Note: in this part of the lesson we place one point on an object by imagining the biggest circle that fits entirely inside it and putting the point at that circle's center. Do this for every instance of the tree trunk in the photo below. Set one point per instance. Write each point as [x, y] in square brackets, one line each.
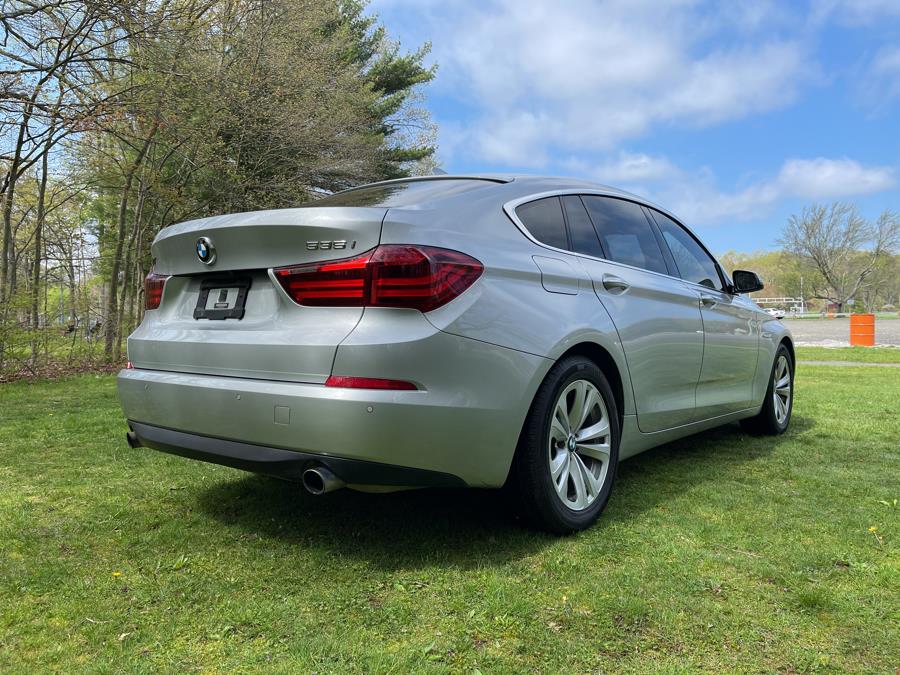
[39, 231]
[112, 302]
[73, 306]
[128, 280]
[38, 255]
[141, 273]
[7, 264]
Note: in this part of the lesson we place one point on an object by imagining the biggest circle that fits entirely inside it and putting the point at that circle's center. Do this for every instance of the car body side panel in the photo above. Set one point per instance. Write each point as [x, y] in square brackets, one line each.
[490, 387]
[509, 306]
[658, 322]
[557, 275]
[730, 353]
[771, 333]
[638, 442]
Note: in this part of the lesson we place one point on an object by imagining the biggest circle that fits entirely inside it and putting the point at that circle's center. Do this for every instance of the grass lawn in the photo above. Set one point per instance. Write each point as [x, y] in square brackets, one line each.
[861, 354]
[720, 552]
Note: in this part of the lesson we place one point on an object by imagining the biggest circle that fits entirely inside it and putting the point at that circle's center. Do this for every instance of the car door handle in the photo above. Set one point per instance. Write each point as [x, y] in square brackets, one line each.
[708, 301]
[615, 284]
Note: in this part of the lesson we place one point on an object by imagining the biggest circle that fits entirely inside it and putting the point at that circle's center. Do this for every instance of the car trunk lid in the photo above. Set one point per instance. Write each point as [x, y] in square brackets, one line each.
[271, 337]
[264, 239]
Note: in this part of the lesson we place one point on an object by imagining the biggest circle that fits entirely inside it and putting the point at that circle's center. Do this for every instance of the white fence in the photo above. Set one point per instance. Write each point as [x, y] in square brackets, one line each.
[792, 305]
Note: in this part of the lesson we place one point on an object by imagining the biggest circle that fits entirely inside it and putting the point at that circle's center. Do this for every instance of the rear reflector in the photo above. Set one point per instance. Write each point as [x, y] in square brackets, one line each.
[154, 285]
[368, 383]
[391, 275]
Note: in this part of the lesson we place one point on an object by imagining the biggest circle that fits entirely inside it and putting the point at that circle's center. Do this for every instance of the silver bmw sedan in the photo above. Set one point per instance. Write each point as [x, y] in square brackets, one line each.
[449, 331]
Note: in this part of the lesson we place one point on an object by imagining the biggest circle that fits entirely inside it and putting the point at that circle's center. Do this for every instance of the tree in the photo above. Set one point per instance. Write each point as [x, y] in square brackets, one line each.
[49, 55]
[119, 118]
[845, 248]
[282, 101]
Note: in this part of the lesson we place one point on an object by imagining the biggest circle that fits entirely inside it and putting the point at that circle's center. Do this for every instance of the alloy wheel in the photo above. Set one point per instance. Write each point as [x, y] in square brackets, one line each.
[579, 445]
[781, 389]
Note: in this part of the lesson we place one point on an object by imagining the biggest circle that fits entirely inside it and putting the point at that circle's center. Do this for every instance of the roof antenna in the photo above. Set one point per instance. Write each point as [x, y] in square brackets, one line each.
[436, 171]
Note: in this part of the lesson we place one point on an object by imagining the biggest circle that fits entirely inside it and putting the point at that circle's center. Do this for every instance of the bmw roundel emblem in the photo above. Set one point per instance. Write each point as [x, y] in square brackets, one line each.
[206, 252]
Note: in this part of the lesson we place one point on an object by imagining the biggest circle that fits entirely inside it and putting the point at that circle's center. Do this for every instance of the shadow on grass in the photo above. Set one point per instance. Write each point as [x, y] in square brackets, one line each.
[667, 471]
[465, 528]
[400, 530]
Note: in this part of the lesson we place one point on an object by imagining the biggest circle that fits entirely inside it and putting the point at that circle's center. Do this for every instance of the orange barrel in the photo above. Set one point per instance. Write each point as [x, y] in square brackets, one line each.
[862, 330]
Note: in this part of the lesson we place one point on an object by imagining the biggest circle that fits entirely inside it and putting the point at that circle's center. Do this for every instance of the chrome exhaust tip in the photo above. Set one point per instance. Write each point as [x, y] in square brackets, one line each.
[132, 439]
[319, 480]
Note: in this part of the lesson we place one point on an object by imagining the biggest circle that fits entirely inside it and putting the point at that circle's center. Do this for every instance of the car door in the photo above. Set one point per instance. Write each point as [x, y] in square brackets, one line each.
[730, 329]
[657, 317]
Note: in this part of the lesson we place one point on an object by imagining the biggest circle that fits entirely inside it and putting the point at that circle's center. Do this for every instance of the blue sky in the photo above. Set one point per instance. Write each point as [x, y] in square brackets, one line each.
[732, 117]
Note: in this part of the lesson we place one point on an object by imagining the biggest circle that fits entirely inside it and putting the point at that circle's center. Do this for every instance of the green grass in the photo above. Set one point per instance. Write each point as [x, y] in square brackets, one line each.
[859, 354]
[720, 552]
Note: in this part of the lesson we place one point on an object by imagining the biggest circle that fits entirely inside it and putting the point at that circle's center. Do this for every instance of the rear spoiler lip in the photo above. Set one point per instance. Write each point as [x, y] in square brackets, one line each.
[486, 177]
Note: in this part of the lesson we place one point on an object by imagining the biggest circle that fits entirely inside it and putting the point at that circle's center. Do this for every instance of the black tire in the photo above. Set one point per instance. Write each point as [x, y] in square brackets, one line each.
[766, 423]
[533, 486]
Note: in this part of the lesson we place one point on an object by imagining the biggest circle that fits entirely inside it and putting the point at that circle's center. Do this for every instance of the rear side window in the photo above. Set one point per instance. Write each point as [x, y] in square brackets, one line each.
[584, 237]
[626, 233]
[693, 263]
[544, 220]
[399, 195]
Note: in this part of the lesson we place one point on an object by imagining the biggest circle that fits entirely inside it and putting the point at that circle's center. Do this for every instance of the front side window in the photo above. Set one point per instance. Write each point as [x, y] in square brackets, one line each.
[544, 220]
[625, 233]
[694, 264]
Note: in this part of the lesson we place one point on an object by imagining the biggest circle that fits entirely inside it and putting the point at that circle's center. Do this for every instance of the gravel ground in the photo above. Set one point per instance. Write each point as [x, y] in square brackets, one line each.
[836, 332]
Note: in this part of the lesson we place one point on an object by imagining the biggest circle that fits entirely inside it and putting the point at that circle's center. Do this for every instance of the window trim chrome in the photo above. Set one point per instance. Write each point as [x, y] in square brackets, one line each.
[509, 208]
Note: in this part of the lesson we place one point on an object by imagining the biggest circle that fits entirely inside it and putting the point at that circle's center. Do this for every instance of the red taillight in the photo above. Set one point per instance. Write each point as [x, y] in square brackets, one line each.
[368, 383]
[420, 277]
[392, 275]
[341, 283]
[153, 289]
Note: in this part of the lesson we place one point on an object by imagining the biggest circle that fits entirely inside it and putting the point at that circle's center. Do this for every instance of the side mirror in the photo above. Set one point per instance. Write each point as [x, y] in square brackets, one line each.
[746, 282]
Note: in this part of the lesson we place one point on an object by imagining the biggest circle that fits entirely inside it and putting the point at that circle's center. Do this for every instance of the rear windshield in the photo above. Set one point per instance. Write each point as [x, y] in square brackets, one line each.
[398, 195]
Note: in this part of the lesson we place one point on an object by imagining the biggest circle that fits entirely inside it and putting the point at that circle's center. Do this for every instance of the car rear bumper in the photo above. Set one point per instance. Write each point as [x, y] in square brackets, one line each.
[463, 422]
[288, 464]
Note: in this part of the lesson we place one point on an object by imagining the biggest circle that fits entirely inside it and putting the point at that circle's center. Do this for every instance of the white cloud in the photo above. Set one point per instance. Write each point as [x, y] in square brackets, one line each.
[627, 167]
[569, 84]
[822, 178]
[854, 12]
[542, 77]
[695, 197]
[513, 142]
[887, 62]
[881, 82]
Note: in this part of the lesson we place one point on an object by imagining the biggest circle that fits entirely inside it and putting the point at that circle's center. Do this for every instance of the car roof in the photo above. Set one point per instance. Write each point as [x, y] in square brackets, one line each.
[516, 186]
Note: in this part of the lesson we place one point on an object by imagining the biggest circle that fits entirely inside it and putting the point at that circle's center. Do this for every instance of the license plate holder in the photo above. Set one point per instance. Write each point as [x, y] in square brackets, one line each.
[222, 298]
